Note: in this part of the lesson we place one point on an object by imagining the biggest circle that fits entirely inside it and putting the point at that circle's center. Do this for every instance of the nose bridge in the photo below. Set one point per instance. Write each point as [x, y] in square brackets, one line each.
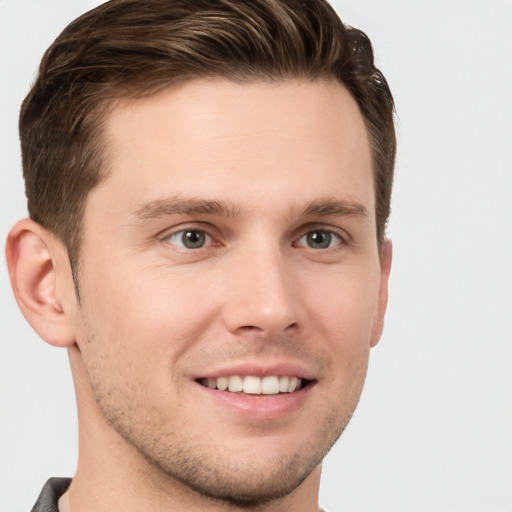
[262, 293]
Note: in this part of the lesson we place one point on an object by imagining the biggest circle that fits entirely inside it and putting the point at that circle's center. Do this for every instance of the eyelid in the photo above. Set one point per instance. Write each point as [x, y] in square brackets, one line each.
[341, 234]
[169, 232]
[334, 237]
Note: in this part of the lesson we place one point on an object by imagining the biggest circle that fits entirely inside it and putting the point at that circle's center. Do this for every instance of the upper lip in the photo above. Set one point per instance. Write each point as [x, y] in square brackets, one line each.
[259, 370]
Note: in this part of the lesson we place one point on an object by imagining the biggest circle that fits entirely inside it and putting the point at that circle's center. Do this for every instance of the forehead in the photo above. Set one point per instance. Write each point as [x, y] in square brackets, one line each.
[250, 143]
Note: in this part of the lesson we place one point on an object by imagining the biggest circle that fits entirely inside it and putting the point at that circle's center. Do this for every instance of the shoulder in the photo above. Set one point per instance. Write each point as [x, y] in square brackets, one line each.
[50, 494]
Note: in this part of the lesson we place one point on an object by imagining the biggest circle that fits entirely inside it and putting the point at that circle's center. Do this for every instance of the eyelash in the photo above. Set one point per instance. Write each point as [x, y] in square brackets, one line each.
[332, 235]
[185, 231]
[339, 238]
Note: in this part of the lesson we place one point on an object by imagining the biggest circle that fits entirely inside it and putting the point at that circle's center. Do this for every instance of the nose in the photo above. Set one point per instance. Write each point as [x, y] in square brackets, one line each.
[261, 295]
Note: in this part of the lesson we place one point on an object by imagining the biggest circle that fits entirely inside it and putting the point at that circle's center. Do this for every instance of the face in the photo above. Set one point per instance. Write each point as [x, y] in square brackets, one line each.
[230, 281]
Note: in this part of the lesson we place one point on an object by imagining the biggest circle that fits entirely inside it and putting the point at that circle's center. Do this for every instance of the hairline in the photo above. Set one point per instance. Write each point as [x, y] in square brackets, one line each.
[102, 145]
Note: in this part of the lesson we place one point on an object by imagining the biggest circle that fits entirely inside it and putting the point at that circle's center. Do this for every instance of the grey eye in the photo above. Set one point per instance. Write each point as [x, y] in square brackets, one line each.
[319, 239]
[189, 239]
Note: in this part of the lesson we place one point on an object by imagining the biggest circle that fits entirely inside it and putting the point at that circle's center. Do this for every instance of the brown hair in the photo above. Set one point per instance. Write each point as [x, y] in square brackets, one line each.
[132, 48]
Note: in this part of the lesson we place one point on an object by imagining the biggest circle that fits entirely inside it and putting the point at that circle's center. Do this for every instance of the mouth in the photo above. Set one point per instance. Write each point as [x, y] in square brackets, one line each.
[258, 394]
[253, 385]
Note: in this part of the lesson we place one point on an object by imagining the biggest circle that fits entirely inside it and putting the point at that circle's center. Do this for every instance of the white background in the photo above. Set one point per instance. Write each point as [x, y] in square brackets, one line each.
[433, 431]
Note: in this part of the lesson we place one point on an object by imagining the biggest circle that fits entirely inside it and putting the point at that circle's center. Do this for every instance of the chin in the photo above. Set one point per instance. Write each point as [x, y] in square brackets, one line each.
[245, 481]
[247, 485]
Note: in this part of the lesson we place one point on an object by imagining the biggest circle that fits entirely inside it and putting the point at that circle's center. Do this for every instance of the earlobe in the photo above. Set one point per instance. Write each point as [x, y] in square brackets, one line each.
[37, 268]
[386, 255]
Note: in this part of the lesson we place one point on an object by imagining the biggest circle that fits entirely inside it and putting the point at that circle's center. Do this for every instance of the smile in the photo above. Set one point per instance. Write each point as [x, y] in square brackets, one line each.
[253, 385]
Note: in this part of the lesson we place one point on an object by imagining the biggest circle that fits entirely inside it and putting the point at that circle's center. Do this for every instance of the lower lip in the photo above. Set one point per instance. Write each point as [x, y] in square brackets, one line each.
[260, 407]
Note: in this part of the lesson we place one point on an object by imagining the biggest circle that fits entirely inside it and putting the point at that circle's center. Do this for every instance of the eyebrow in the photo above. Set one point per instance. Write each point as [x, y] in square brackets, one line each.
[336, 207]
[197, 206]
[185, 206]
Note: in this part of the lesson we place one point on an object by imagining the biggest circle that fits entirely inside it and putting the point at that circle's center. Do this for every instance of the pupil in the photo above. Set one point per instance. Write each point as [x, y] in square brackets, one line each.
[319, 239]
[193, 239]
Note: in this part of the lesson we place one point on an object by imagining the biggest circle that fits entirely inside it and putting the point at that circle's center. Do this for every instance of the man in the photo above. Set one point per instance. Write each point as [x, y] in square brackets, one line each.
[208, 185]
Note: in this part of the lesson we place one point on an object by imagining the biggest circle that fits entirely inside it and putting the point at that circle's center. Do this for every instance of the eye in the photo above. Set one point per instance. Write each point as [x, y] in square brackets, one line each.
[189, 239]
[319, 239]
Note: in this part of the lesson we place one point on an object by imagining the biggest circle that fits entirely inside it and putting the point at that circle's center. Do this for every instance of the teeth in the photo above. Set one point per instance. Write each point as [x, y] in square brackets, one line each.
[235, 383]
[252, 385]
[222, 383]
[292, 385]
[270, 385]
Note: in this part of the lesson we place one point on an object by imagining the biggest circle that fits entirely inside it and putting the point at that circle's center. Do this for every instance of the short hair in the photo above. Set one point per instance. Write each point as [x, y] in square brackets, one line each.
[136, 48]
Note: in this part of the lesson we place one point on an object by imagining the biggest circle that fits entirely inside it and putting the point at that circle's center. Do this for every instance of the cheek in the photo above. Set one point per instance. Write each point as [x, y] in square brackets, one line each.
[345, 306]
[150, 305]
[343, 315]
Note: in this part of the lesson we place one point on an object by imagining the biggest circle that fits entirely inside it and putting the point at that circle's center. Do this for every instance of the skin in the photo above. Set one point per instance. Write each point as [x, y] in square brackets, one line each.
[287, 162]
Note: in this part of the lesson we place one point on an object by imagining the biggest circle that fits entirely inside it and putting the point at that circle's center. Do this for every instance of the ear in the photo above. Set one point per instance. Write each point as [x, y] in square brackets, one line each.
[386, 255]
[42, 282]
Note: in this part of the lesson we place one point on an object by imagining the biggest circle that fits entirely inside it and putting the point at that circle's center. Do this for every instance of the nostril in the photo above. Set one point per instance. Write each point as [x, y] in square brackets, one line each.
[254, 329]
[292, 326]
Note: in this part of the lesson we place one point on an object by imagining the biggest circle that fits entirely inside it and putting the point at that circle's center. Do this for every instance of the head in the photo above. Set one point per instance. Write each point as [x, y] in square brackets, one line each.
[214, 178]
[131, 48]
